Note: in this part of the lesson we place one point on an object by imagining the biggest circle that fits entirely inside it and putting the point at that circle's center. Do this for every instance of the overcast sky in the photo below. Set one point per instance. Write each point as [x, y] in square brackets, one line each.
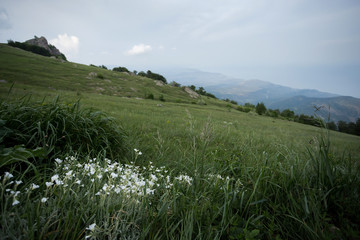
[296, 43]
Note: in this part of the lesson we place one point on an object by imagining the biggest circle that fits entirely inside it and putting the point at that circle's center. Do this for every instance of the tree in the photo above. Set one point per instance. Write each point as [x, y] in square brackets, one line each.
[201, 91]
[331, 126]
[260, 108]
[357, 127]
[287, 113]
[342, 126]
[249, 105]
[121, 69]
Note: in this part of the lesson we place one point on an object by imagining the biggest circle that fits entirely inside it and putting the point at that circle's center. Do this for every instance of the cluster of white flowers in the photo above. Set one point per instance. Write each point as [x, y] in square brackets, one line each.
[104, 178]
[110, 177]
[184, 178]
[13, 193]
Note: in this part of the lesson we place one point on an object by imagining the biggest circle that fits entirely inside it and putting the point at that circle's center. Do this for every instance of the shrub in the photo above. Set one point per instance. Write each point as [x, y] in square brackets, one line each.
[150, 96]
[243, 109]
[161, 98]
[175, 84]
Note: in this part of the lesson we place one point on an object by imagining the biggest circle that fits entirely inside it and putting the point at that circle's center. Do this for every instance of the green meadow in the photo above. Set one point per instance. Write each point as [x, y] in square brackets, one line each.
[85, 154]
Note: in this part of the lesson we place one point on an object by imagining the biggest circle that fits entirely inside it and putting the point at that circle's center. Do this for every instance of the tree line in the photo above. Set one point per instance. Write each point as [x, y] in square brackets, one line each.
[341, 126]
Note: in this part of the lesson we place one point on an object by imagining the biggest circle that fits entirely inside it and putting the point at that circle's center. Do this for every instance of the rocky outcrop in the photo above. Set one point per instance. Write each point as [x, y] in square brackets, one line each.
[42, 42]
[192, 93]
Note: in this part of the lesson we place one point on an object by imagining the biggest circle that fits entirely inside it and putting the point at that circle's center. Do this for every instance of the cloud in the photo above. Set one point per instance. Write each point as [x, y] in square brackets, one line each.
[66, 44]
[4, 19]
[139, 49]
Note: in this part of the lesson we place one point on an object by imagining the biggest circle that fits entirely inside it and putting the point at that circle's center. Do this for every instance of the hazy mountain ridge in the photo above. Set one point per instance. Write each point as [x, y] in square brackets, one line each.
[340, 108]
[301, 101]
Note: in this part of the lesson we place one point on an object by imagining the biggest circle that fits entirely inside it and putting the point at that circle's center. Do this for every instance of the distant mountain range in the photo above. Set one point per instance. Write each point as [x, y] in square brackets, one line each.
[301, 101]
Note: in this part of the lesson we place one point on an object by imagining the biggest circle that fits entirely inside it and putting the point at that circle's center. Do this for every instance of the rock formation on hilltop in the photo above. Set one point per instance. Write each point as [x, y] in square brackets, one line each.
[42, 42]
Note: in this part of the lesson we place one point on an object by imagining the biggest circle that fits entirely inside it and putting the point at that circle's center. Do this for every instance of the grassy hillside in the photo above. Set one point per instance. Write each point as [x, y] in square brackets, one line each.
[34, 73]
[277, 179]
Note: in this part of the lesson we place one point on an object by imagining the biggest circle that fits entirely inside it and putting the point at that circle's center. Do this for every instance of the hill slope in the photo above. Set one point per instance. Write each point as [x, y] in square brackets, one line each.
[34, 72]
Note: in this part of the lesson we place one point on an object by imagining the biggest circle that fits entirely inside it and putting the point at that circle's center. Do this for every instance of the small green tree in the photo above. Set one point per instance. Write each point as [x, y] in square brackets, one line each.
[287, 113]
[260, 108]
[120, 69]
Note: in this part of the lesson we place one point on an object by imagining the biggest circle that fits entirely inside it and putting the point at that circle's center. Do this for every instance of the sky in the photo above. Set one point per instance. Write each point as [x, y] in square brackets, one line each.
[296, 43]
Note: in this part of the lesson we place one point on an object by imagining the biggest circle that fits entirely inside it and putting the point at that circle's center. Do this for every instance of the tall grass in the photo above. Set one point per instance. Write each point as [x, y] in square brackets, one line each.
[212, 185]
[50, 130]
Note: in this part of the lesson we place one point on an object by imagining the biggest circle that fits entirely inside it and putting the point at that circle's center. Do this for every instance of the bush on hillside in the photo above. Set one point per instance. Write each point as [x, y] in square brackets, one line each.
[175, 84]
[161, 98]
[243, 109]
[149, 96]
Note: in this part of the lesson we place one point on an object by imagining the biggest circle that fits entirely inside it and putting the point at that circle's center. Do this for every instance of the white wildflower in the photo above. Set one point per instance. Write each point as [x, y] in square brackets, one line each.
[44, 199]
[49, 184]
[58, 161]
[54, 178]
[114, 175]
[69, 173]
[8, 175]
[18, 182]
[59, 182]
[91, 227]
[15, 202]
[34, 186]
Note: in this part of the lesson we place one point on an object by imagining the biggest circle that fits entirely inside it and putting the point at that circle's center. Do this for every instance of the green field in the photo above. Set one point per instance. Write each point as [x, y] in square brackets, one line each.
[251, 176]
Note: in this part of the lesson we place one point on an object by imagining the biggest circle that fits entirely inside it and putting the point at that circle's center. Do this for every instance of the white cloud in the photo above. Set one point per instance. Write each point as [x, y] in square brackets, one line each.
[69, 45]
[139, 49]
